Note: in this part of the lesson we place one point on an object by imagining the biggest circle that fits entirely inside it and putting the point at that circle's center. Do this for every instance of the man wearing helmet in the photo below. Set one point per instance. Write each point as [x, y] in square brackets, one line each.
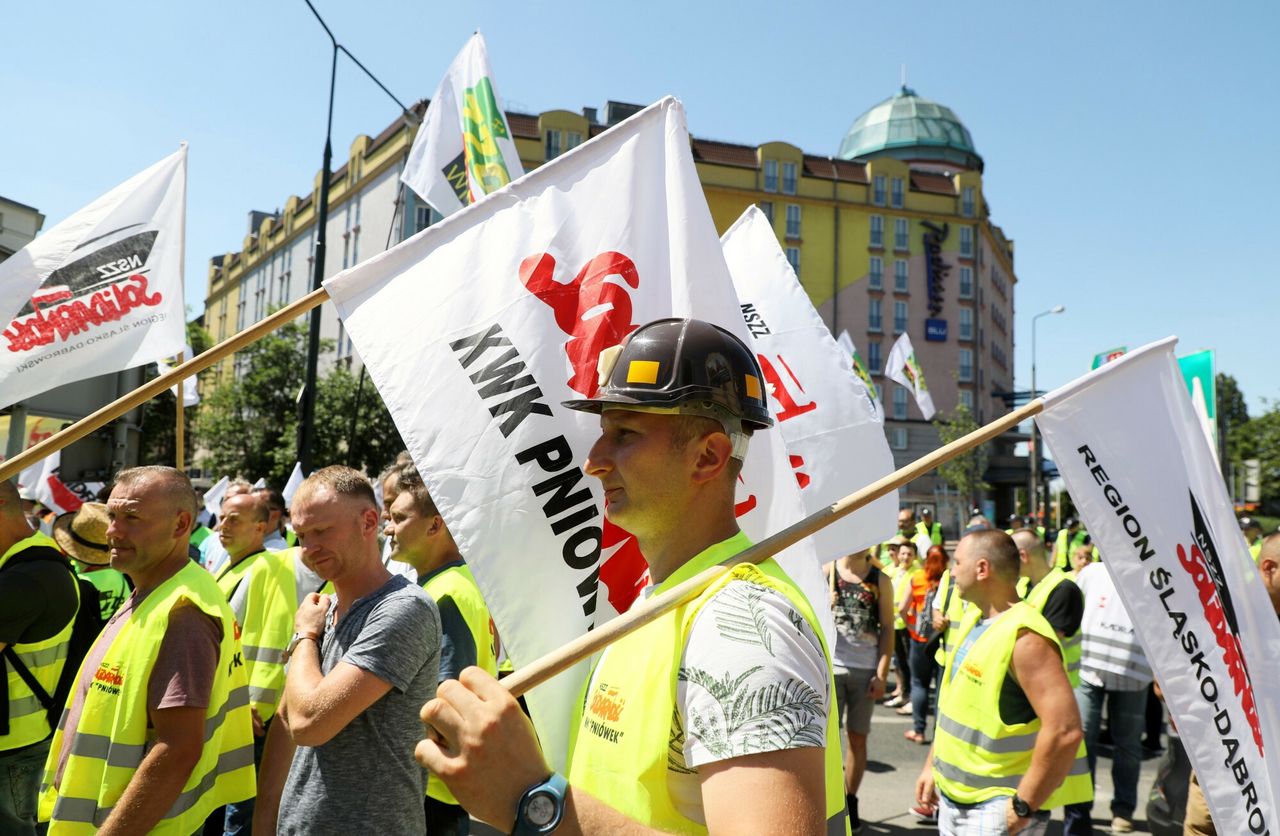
[690, 724]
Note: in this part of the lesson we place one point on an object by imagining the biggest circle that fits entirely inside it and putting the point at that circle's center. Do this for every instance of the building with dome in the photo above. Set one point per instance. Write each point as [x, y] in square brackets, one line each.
[890, 234]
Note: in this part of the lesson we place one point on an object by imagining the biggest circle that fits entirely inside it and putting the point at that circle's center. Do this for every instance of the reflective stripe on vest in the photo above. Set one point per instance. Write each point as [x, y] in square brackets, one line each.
[112, 735]
[622, 732]
[977, 756]
[458, 584]
[1072, 645]
[261, 596]
[45, 659]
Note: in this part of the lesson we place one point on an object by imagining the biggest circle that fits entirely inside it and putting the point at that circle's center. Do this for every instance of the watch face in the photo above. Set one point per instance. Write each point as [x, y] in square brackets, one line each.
[541, 810]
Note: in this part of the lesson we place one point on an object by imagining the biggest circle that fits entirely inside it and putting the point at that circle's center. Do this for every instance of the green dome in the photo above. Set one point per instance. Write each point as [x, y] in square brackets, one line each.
[909, 127]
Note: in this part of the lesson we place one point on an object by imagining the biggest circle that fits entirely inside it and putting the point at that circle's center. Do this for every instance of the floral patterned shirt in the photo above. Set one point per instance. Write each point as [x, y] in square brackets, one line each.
[753, 679]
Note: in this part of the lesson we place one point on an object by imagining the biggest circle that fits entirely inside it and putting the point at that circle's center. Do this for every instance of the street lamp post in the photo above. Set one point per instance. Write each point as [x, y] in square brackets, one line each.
[1034, 499]
[307, 404]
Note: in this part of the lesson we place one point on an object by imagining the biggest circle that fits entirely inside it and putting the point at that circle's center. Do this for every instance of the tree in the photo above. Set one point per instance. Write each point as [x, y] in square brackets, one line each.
[159, 415]
[1259, 438]
[965, 471]
[353, 426]
[249, 425]
[1233, 414]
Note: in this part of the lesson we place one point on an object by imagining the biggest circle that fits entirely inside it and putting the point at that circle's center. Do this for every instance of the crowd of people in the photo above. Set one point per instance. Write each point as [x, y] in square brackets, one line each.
[271, 670]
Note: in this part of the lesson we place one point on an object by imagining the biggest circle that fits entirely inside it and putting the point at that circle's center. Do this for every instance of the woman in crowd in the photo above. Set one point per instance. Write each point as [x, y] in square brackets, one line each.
[862, 605]
[915, 604]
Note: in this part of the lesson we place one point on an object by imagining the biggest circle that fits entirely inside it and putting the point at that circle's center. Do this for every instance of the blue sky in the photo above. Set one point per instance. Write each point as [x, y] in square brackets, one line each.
[1129, 146]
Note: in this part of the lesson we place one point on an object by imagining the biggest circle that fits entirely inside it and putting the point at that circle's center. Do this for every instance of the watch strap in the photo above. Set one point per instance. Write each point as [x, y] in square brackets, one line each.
[555, 786]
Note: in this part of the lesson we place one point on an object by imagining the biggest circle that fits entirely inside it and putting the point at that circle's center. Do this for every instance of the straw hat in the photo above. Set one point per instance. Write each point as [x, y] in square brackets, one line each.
[83, 534]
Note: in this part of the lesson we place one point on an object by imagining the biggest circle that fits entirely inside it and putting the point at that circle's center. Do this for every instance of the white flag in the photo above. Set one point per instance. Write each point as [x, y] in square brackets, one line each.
[902, 368]
[1139, 469]
[261, 483]
[834, 440]
[295, 482]
[44, 480]
[848, 349]
[190, 394]
[464, 148]
[500, 312]
[213, 496]
[101, 291]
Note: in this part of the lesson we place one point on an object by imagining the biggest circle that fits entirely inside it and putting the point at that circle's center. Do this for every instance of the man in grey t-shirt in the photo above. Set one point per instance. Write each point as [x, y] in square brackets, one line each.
[362, 664]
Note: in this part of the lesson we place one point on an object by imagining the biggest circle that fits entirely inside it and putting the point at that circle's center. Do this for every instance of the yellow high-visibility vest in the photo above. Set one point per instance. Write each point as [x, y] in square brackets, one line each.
[1071, 645]
[260, 594]
[458, 584]
[28, 720]
[623, 733]
[111, 737]
[934, 532]
[977, 756]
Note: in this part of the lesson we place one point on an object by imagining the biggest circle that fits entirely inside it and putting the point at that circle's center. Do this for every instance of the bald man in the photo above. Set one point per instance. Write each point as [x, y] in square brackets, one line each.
[182, 737]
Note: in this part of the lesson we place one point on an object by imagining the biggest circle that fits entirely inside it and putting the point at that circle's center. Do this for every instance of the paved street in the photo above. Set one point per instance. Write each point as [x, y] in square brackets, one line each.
[889, 786]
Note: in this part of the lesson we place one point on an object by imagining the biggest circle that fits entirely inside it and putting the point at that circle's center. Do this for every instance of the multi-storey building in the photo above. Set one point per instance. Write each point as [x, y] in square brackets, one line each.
[891, 235]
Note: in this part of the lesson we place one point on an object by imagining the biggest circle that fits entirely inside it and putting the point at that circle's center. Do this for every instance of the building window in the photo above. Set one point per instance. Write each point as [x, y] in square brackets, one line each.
[873, 357]
[770, 175]
[966, 365]
[966, 282]
[766, 206]
[282, 288]
[899, 402]
[572, 139]
[901, 228]
[877, 231]
[898, 435]
[421, 218]
[966, 399]
[260, 296]
[553, 144]
[897, 193]
[966, 241]
[875, 319]
[788, 178]
[966, 324]
[900, 275]
[793, 258]
[876, 275]
[899, 316]
[878, 191]
[793, 220]
[966, 201]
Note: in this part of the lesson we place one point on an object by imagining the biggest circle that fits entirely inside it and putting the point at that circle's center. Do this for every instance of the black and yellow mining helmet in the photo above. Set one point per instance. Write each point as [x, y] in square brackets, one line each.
[686, 365]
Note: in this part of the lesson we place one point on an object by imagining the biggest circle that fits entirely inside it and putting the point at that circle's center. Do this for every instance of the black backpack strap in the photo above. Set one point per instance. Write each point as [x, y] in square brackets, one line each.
[32, 554]
[50, 702]
[25, 674]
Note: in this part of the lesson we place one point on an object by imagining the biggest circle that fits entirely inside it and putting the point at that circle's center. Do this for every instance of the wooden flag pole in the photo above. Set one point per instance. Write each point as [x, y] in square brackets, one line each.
[173, 377]
[585, 645]
[180, 434]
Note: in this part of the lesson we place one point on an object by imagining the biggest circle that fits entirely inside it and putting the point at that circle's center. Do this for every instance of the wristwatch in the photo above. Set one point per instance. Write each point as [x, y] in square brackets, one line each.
[541, 807]
[298, 637]
[1021, 809]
